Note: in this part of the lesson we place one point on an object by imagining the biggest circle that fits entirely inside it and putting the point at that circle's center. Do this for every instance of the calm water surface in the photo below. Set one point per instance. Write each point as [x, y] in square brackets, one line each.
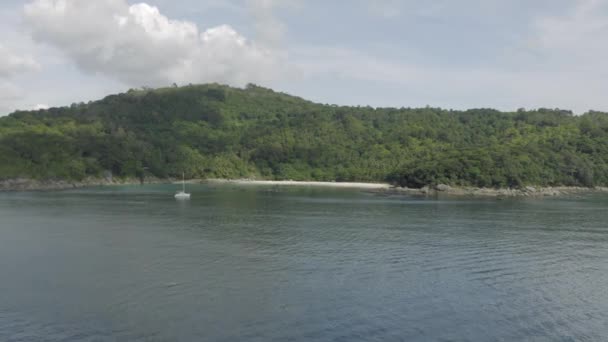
[293, 264]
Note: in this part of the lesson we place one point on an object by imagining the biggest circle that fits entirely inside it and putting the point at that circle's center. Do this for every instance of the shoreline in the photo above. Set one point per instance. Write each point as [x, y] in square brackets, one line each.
[441, 190]
[26, 184]
[351, 185]
[474, 192]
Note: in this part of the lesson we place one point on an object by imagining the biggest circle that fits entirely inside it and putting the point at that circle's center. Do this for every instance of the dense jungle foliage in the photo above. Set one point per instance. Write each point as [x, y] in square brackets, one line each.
[214, 131]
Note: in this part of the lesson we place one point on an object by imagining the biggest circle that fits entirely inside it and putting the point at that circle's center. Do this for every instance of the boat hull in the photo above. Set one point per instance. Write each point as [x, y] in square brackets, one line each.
[182, 196]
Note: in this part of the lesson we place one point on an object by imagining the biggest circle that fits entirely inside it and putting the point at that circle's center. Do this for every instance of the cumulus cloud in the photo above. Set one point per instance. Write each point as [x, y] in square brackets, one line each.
[138, 45]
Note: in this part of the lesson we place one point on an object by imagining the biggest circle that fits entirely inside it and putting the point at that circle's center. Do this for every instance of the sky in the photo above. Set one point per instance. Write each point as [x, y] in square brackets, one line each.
[455, 54]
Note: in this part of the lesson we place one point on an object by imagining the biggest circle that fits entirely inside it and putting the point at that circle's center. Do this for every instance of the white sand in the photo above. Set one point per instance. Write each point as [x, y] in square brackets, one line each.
[301, 183]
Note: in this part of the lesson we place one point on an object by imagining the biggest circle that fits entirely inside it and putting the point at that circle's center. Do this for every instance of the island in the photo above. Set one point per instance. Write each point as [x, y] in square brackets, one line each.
[212, 131]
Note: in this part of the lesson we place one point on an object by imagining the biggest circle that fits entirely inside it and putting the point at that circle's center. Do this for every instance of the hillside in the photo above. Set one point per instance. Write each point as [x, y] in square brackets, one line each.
[213, 131]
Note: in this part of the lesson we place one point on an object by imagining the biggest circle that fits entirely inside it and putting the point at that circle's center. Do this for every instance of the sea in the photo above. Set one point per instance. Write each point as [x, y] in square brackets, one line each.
[289, 263]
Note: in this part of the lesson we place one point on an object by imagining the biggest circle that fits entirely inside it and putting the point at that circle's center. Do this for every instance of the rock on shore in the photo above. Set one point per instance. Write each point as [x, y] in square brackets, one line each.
[27, 184]
[529, 191]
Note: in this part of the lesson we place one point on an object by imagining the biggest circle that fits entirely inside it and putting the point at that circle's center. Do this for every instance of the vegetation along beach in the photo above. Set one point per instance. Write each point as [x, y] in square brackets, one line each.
[212, 131]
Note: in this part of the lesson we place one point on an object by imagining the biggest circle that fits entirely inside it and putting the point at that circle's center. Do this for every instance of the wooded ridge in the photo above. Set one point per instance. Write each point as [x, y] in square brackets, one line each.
[215, 131]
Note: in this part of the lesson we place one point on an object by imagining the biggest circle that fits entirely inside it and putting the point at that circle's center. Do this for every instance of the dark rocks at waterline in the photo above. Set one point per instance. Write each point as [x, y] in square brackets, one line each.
[529, 191]
[27, 184]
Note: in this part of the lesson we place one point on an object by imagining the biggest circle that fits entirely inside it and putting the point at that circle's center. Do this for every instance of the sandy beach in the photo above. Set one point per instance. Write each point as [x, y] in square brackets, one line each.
[24, 184]
[353, 185]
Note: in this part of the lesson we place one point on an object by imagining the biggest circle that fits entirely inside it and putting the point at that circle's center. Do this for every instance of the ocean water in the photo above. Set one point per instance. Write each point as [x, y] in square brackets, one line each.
[274, 263]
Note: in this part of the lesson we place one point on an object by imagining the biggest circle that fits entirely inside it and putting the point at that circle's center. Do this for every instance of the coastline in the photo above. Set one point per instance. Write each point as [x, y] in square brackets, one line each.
[427, 191]
[26, 184]
[352, 185]
[528, 191]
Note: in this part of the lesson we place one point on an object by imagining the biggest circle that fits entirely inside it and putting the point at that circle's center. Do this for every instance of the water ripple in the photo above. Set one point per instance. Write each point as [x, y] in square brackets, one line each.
[236, 264]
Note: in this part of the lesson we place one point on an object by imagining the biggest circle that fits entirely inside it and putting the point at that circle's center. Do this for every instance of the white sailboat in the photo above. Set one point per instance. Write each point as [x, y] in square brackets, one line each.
[183, 195]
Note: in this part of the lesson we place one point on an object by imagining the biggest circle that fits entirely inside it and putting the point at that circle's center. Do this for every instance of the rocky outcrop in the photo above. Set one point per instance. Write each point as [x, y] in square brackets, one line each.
[27, 184]
[529, 191]
[442, 188]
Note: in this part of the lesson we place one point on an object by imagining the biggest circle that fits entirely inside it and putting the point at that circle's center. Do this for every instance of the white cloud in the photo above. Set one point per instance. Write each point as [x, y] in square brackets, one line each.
[138, 45]
[550, 56]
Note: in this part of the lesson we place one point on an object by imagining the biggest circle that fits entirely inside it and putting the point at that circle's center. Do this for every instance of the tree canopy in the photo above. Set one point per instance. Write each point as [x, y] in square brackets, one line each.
[215, 131]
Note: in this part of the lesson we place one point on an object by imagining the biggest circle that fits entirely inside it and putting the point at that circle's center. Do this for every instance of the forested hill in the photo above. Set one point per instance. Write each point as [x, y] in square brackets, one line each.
[213, 131]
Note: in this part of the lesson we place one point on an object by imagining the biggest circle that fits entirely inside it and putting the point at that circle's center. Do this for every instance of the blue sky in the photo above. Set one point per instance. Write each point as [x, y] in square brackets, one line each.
[449, 53]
